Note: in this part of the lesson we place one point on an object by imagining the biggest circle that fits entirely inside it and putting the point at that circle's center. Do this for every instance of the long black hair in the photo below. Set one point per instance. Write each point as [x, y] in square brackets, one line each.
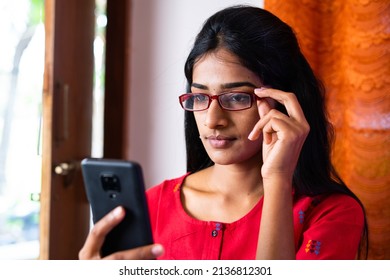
[268, 47]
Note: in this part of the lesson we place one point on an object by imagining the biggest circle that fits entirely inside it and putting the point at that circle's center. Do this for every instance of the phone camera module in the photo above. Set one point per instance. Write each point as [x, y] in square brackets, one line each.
[110, 182]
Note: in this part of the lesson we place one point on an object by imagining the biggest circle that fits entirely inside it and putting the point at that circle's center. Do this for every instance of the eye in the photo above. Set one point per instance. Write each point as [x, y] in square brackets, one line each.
[200, 98]
[238, 97]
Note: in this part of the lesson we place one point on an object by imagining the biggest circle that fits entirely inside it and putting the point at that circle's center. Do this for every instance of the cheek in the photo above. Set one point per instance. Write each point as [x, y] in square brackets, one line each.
[248, 122]
[199, 119]
[252, 148]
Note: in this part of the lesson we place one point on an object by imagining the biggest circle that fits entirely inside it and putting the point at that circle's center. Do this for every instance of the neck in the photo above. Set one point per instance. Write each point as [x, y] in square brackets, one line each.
[236, 180]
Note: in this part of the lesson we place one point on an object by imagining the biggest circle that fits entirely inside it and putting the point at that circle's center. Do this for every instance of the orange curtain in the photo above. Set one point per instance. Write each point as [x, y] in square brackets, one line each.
[348, 44]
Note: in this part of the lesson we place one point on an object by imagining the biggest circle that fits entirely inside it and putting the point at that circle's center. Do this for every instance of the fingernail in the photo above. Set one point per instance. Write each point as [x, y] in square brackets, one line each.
[250, 137]
[262, 88]
[157, 250]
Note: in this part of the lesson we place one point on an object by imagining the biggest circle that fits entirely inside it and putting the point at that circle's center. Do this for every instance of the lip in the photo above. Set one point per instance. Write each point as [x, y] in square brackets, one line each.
[219, 141]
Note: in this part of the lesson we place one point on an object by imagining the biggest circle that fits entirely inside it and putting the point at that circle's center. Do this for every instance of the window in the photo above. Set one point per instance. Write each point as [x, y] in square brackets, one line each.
[21, 77]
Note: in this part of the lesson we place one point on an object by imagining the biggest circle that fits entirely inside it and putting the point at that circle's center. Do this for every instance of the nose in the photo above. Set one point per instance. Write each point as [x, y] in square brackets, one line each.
[215, 116]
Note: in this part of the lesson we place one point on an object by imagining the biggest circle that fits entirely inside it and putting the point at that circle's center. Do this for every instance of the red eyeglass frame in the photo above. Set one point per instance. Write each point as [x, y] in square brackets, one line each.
[216, 97]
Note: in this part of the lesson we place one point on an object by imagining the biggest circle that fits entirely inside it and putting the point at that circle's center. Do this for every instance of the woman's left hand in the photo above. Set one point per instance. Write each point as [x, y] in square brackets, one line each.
[283, 135]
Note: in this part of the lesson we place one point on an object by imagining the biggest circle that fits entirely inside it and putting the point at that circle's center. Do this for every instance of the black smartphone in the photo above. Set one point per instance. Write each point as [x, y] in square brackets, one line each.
[110, 183]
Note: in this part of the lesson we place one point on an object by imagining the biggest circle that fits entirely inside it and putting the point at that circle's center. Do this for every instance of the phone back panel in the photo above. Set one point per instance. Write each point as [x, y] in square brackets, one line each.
[110, 183]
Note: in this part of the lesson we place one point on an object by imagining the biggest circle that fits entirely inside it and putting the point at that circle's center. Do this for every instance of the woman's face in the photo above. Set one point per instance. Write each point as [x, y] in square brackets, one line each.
[225, 133]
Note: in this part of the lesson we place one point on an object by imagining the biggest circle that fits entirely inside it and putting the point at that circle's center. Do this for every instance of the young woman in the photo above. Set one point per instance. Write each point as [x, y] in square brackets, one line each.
[260, 183]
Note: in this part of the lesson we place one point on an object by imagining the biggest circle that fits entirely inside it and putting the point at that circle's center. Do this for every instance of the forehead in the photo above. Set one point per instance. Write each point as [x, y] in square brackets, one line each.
[222, 66]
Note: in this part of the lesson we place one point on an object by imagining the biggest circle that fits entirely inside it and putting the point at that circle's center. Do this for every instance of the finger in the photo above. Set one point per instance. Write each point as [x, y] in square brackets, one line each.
[264, 105]
[96, 237]
[268, 131]
[259, 126]
[288, 99]
[148, 252]
[276, 129]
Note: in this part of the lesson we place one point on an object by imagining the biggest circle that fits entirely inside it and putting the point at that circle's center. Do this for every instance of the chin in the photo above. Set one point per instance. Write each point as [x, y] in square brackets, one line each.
[237, 156]
[226, 160]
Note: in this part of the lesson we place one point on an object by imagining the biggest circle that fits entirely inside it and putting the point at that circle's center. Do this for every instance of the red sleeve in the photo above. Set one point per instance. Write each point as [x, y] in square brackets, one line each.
[332, 230]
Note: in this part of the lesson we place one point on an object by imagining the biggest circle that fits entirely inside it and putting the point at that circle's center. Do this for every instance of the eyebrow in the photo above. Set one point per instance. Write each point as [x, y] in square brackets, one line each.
[227, 85]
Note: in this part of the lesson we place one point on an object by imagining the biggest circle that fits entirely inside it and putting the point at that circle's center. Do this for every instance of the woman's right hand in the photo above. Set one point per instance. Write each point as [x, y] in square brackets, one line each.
[95, 239]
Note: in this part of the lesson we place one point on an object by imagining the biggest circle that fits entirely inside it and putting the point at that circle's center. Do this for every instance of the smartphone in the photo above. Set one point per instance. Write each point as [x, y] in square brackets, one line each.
[110, 183]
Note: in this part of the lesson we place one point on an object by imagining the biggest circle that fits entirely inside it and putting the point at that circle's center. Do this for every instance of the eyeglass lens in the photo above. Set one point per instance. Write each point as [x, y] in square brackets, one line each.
[229, 101]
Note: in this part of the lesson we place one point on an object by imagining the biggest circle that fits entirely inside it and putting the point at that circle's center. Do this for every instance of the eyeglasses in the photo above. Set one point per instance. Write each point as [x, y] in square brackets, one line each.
[231, 101]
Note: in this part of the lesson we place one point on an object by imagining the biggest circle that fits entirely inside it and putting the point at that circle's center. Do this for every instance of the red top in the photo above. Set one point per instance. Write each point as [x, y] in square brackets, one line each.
[326, 227]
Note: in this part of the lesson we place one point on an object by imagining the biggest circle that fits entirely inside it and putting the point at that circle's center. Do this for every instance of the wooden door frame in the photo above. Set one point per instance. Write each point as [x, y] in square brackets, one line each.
[47, 116]
[117, 82]
[67, 125]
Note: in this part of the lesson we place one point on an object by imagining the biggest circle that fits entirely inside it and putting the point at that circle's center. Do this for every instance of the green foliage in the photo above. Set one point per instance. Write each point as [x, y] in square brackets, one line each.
[37, 8]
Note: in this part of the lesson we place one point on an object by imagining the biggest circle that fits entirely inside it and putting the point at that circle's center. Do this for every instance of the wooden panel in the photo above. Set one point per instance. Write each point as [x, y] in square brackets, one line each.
[347, 43]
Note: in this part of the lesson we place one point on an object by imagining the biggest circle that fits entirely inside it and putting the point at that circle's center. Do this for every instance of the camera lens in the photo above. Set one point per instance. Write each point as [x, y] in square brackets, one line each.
[110, 182]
